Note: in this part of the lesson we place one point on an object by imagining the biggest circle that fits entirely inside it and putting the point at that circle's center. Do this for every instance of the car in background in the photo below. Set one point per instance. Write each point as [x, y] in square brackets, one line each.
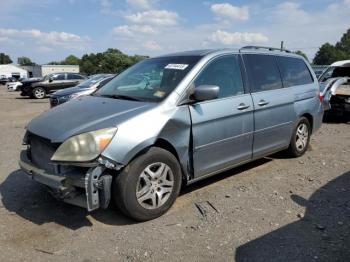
[337, 69]
[39, 88]
[335, 89]
[336, 95]
[14, 86]
[84, 88]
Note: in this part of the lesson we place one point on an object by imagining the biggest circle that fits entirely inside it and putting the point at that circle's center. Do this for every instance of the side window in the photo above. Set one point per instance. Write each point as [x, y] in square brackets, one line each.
[263, 72]
[74, 77]
[294, 71]
[58, 77]
[223, 72]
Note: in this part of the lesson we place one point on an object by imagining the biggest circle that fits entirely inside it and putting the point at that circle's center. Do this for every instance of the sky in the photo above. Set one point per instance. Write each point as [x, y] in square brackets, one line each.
[50, 30]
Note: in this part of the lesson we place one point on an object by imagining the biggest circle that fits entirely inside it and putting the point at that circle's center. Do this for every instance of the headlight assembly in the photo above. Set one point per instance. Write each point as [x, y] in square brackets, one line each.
[84, 147]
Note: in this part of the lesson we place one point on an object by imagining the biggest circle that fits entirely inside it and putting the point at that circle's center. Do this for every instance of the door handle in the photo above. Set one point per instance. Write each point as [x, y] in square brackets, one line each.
[242, 106]
[263, 103]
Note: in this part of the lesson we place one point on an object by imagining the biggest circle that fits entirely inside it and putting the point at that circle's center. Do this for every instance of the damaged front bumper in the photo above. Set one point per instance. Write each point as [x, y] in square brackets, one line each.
[88, 188]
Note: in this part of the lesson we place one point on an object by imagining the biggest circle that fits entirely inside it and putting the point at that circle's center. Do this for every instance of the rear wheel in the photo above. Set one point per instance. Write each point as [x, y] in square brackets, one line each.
[300, 138]
[149, 185]
[39, 93]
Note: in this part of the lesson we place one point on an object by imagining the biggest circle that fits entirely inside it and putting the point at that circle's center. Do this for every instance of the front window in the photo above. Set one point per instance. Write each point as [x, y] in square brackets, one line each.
[332, 72]
[149, 80]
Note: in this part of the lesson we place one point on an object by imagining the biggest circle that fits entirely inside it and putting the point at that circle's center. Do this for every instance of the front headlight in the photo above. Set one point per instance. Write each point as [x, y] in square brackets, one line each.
[84, 147]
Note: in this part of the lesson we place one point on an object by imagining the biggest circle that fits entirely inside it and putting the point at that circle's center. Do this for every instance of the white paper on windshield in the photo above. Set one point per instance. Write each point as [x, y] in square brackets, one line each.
[176, 66]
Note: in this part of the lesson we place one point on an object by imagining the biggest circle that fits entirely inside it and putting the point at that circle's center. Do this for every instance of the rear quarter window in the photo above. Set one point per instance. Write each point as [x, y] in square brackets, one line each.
[294, 71]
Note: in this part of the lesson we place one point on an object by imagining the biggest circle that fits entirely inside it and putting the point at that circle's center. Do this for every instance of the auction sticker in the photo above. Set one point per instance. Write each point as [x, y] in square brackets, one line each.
[176, 66]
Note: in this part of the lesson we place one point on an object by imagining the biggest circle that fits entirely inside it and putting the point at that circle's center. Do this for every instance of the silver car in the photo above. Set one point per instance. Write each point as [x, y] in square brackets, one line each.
[170, 121]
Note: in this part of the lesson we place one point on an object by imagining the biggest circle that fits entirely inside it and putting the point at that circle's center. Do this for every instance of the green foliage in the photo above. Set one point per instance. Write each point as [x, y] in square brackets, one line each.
[302, 54]
[327, 54]
[110, 61]
[5, 59]
[71, 60]
[24, 61]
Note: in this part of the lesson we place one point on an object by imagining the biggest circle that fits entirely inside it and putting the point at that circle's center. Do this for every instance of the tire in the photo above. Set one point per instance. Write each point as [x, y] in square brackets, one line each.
[39, 93]
[133, 188]
[300, 138]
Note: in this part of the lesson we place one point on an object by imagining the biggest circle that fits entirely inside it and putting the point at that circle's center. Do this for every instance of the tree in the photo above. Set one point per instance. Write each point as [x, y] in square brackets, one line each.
[110, 61]
[327, 54]
[302, 54]
[24, 61]
[344, 43]
[71, 60]
[5, 59]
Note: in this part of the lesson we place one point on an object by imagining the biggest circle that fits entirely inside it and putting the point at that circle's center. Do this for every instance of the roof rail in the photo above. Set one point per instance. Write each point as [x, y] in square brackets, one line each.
[264, 47]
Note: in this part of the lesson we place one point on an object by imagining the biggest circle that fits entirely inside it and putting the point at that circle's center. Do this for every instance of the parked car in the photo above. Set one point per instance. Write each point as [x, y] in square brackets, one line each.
[337, 69]
[170, 121]
[336, 96]
[39, 88]
[13, 86]
[84, 88]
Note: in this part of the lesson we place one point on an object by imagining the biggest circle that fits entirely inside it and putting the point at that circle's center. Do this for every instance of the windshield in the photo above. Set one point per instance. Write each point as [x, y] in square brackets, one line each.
[149, 80]
[332, 72]
[91, 81]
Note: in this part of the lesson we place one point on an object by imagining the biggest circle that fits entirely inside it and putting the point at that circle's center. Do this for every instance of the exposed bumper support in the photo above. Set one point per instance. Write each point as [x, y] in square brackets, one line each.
[64, 186]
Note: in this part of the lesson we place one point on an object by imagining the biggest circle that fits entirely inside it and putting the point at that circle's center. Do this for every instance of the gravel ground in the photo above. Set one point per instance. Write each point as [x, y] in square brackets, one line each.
[273, 209]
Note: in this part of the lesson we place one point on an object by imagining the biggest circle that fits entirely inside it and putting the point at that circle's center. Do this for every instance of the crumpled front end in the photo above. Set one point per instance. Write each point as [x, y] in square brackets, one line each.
[86, 185]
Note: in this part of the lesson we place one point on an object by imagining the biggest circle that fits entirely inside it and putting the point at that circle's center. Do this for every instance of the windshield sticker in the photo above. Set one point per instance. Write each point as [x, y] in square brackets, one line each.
[159, 94]
[176, 66]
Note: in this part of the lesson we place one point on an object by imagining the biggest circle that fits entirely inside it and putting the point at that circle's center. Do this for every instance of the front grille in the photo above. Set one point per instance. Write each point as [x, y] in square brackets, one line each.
[54, 101]
[41, 151]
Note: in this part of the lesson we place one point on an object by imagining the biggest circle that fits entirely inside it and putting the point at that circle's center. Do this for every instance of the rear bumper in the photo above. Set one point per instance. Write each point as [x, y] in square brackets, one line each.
[80, 188]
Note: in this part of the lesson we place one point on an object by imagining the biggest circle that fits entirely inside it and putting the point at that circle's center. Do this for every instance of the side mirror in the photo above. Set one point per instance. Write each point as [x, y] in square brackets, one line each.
[50, 79]
[205, 92]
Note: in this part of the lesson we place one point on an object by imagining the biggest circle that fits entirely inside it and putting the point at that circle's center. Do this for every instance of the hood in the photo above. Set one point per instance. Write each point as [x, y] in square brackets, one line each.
[85, 114]
[69, 91]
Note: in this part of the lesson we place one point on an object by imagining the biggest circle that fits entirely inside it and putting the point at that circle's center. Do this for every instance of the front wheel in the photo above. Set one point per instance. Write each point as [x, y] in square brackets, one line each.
[149, 185]
[39, 93]
[300, 138]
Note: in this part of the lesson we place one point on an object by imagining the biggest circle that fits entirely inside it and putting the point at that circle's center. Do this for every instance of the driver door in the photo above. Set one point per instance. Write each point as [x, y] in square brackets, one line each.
[222, 128]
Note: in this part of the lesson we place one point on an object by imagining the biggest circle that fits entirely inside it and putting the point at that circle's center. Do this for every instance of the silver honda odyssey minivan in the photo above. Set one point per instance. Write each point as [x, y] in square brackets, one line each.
[170, 121]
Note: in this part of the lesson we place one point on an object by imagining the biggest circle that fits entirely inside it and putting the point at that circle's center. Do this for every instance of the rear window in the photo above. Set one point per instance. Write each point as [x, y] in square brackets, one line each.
[294, 71]
[74, 76]
[263, 72]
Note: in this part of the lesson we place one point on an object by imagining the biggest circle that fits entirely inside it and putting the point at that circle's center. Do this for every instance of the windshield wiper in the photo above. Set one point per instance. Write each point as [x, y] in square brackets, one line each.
[124, 97]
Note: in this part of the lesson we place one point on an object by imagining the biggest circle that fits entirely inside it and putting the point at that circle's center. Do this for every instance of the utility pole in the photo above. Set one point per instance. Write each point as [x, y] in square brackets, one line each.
[282, 45]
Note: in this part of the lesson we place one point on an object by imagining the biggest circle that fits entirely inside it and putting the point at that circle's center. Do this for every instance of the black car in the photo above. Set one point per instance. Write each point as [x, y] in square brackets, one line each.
[38, 88]
[84, 88]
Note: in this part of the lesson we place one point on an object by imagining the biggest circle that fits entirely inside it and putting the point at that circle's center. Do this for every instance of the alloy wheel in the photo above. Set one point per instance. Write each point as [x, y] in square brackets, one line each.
[39, 93]
[302, 137]
[155, 185]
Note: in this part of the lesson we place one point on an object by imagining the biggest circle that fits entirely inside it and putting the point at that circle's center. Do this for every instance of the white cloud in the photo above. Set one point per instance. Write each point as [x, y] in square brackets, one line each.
[44, 39]
[154, 17]
[237, 38]
[228, 11]
[152, 46]
[132, 30]
[291, 12]
[140, 4]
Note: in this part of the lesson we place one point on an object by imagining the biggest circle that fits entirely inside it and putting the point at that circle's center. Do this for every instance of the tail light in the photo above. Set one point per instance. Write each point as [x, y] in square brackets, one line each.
[321, 97]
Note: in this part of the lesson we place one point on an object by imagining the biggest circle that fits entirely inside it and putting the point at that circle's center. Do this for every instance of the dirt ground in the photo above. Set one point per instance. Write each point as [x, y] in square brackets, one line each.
[274, 209]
